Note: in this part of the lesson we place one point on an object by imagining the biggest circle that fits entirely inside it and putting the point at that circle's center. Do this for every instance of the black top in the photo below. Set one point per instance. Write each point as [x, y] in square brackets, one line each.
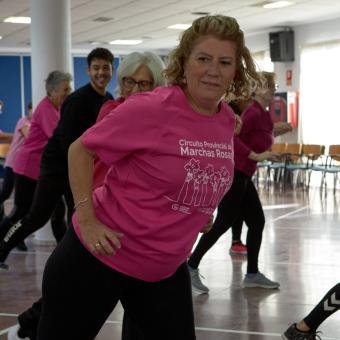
[78, 113]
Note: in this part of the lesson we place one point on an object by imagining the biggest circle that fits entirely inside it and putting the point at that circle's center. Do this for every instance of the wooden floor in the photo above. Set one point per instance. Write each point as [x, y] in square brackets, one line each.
[300, 249]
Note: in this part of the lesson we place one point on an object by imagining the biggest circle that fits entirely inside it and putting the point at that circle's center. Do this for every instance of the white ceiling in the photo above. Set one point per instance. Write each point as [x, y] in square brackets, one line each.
[148, 20]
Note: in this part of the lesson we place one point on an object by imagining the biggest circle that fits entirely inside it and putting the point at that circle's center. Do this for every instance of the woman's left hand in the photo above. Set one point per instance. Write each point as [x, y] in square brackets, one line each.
[208, 226]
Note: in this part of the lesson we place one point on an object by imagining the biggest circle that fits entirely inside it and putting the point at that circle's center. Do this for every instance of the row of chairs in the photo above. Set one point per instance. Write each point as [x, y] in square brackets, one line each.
[299, 161]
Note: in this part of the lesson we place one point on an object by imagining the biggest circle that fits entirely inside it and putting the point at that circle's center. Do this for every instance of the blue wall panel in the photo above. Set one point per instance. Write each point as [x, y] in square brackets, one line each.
[27, 81]
[10, 88]
[10, 92]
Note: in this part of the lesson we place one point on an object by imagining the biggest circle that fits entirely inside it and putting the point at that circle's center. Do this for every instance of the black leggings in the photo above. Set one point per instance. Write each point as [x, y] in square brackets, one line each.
[241, 201]
[236, 229]
[328, 305]
[80, 292]
[29, 320]
[7, 184]
[29, 216]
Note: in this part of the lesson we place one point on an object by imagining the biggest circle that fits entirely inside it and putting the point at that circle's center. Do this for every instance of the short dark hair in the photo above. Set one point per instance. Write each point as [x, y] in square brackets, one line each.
[29, 105]
[100, 53]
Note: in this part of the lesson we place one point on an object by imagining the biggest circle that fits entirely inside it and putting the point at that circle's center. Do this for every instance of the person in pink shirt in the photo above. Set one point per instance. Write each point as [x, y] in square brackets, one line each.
[20, 133]
[137, 72]
[251, 145]
[27, 162]
[170, 153]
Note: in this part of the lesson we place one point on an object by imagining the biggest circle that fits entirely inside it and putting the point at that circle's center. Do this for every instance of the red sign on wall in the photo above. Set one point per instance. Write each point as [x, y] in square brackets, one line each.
[289, 77]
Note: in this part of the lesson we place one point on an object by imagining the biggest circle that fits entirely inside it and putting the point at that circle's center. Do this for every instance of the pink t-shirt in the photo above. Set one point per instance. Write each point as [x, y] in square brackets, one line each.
[256, 135]
[170, 167]
[18, 139]
[44, 120]
[101, 169]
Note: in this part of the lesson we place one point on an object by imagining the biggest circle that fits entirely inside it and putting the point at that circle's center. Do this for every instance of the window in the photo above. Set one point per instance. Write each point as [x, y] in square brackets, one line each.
[319, 93]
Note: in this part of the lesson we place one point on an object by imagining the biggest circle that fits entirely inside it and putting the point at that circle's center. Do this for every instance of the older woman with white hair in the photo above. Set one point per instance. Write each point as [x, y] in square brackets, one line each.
[137, 72]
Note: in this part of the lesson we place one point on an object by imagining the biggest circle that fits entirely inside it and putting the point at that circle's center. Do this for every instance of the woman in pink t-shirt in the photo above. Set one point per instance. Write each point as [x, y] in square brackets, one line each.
[20, 133]
[251, 145]
[170, 153]
[27, 162]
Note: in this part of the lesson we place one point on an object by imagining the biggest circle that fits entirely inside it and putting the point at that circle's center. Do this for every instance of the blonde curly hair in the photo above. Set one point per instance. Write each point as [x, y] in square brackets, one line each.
[224, 28]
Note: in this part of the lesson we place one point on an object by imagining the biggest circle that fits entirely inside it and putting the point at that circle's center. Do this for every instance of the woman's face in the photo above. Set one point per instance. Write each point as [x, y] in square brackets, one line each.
[59, 94]
[140, 81]
[209, 70]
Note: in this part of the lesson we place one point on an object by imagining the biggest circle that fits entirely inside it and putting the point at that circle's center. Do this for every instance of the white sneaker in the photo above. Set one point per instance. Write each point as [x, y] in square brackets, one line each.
[13, 333]
[196, 282]
[259, 280]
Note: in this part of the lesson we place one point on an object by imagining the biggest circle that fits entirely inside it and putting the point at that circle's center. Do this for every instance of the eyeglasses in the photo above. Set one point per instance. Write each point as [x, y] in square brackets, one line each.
[143, 85]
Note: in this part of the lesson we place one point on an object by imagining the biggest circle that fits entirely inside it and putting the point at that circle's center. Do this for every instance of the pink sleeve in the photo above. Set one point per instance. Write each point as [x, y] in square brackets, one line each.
[22, 123]
[250, 119]
[47, 118]
[107, 108]
[241, 149]
[130, 128]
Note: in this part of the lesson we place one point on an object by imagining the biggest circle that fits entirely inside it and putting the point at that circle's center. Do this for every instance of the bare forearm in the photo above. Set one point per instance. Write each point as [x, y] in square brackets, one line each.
[80, 163]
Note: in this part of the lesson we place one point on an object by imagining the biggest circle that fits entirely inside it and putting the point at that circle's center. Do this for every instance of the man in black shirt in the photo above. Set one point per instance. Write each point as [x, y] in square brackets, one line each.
[78, 113]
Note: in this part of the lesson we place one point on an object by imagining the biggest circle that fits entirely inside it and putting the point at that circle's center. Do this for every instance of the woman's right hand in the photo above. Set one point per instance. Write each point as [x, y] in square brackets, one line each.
[267, 155]
[99, 238]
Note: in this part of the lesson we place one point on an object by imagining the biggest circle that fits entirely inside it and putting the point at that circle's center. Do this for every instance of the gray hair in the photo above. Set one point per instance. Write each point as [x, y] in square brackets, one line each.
[133, 61]
[54, 78]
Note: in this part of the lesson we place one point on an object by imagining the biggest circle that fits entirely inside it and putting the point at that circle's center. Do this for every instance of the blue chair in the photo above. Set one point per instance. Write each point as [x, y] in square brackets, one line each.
[331, 165]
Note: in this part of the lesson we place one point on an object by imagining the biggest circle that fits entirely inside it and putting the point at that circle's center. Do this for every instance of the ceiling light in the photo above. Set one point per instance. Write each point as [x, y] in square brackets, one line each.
[125, 42]
[102, 19]
[200, 13]
[18, 20]
[277, 4]
[94, 42]
[0, 37]
[179, 26]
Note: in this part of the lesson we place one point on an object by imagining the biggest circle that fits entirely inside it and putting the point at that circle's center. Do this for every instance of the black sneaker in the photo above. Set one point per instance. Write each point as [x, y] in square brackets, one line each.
[292, 333]
[3, 266]
[22, 246]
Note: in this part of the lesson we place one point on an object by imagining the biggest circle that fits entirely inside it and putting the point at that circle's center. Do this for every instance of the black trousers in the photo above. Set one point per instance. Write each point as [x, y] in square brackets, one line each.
[7, 184]
[29, 321]
[47, 199]
[80, 292]
[236, 229]
[241, 201]
[24, 189]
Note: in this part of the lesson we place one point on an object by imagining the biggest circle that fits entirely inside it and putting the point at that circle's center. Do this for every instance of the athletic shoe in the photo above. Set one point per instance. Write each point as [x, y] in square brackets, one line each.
[13, 334]
[22, 246]
[259, 280]
[3, 266]
[292, 333]
[196, 282]
[238, 249]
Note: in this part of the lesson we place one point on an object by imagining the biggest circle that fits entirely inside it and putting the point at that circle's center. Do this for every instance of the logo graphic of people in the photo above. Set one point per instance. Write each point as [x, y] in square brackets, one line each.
[195, 189]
